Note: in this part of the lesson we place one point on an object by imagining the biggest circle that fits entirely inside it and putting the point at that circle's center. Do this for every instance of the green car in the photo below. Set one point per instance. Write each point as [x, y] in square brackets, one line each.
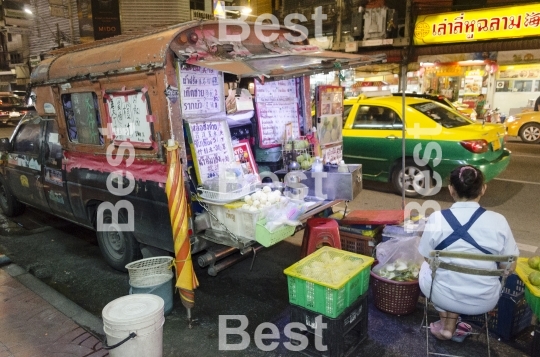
[437, 140]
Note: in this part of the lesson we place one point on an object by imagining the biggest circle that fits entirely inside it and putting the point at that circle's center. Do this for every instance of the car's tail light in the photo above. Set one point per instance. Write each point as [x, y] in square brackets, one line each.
[4, 113]
[475, 146]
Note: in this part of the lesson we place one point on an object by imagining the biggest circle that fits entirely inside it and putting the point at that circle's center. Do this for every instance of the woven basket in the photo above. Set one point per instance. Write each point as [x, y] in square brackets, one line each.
[394, 297]
[142, 272]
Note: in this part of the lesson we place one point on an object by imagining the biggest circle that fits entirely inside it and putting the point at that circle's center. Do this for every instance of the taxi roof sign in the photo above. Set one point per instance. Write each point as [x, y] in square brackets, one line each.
[219, 9]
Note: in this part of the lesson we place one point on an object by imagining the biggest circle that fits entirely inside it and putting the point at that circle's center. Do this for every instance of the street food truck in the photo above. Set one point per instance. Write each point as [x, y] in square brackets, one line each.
[116, 119]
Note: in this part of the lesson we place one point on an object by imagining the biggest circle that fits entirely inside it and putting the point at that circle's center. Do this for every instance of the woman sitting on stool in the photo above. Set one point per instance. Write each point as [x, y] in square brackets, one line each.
[482, 231]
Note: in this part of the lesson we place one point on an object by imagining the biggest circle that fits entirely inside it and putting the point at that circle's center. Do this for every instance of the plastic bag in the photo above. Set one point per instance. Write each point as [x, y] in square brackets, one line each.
[399, 259]
[286, 213]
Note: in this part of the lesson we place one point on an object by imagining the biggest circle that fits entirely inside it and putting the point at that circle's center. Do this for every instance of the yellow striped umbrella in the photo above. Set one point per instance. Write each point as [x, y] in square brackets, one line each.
[186, 280]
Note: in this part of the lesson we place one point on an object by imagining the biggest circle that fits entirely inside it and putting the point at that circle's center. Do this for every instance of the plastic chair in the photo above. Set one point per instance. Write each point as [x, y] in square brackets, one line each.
[436, 263]
[318, 233]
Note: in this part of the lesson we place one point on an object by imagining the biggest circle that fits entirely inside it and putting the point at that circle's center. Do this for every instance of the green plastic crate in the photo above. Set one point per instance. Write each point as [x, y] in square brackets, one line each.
[533, 301]
[267, 238]
[320, 295]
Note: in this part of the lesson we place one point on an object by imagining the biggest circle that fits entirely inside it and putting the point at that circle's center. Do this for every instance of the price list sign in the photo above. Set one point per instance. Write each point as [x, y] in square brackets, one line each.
[277, 105]
[201, 91]
[130, 118]
[210, 143]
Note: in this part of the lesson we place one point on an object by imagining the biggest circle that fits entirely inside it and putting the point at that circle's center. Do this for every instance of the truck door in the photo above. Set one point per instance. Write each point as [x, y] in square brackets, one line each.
[54, 178]
[24, 168]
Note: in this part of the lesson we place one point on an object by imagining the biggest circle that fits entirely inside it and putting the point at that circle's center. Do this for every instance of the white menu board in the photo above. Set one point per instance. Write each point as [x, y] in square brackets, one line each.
[277, 105]
[201, 91]
[129, 118]
[210, 142]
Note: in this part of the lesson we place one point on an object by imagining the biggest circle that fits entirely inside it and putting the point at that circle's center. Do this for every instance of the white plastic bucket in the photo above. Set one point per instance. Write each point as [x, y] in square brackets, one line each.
[141, 314]
[160, 285]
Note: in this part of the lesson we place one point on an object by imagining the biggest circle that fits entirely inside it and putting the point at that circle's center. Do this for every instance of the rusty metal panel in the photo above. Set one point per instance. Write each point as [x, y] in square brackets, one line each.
[106, 57]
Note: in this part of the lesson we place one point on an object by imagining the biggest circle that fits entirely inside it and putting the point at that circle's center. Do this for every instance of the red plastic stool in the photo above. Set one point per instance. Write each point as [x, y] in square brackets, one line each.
[318, 233]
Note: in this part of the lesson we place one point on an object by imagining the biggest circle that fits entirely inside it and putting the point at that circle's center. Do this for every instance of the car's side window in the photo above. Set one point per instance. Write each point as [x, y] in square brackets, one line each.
[83, 121]
[27, 139]
[375, 117]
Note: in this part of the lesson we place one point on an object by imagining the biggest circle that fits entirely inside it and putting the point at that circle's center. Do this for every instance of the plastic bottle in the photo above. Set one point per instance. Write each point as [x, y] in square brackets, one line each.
[317, 165]
[315, 142]
[342, 167]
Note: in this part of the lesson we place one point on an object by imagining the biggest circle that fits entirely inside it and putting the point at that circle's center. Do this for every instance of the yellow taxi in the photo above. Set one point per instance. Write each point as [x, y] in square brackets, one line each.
[437, 140]
[525, 125]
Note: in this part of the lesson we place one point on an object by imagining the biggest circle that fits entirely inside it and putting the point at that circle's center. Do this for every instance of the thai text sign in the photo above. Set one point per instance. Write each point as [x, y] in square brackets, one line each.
[486, 24]
[201, 91]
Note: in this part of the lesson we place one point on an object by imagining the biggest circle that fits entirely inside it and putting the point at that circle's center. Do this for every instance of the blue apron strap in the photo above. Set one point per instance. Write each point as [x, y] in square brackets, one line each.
[459, 231]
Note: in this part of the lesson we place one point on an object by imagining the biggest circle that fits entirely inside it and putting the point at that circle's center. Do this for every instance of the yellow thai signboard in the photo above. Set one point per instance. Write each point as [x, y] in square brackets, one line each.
[485, 24]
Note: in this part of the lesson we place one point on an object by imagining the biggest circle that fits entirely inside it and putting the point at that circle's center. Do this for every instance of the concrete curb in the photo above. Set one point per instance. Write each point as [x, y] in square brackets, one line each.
[83, 318]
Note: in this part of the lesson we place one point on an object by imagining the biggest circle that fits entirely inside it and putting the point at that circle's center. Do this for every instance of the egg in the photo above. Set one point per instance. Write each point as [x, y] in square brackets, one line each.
[272, 199]
[256, 203]
[267, 189]
[277, 193]
[253, 209]
[248, 199]
[245, 206]
[256, 195]
[263, 199]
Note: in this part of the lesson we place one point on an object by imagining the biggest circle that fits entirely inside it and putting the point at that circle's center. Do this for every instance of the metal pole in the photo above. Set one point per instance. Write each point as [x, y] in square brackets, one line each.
[403, 85]
[72, 33]
[339, 19]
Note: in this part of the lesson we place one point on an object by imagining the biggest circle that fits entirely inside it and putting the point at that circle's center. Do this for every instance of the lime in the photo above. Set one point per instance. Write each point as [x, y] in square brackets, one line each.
[534, 278]
[534, 262]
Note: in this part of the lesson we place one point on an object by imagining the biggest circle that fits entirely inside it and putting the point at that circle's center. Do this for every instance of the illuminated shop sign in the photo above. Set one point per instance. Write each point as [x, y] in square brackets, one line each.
[486, 24]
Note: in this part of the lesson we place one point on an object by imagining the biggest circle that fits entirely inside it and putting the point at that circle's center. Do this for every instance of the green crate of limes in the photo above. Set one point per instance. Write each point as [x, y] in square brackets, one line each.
[328, 280]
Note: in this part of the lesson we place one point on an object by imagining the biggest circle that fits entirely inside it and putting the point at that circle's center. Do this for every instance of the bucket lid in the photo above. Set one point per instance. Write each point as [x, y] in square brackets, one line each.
[136, 311]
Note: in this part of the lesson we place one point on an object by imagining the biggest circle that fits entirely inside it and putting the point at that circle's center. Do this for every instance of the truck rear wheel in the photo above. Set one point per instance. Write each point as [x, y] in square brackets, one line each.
[8, 203]
[118, 247]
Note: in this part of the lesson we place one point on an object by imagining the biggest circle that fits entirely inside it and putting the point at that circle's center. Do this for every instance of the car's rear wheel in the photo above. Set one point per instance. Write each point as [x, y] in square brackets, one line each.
[117, 246]
[530, 133]
[8, 203]
[414, 178]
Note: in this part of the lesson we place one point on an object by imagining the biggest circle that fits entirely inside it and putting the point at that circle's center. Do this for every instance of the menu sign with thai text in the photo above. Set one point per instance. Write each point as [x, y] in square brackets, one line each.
[201, 91]
[277, 106]
[210, 143]
[493, 23]
[333, 154]
[129, 118]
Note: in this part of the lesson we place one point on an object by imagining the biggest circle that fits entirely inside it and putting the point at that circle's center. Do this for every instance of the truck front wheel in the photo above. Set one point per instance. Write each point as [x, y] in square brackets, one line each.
[118, 247]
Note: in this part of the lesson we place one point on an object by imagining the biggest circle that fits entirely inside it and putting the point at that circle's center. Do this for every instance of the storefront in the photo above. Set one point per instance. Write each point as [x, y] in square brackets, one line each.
[482, 62]
[517, 81]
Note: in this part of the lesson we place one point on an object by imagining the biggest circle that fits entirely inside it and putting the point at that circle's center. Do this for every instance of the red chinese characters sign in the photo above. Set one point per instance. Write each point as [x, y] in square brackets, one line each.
[486, 24]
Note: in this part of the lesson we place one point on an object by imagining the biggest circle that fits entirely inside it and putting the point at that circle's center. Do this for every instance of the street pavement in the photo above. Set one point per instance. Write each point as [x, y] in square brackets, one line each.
[37, 321]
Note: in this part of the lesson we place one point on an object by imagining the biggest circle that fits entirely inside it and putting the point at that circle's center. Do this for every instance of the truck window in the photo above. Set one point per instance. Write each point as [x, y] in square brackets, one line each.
[27, 139]
[83, 121]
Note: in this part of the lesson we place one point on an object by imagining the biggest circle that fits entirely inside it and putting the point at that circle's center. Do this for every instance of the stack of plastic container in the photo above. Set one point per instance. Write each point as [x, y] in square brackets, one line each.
[330, 286]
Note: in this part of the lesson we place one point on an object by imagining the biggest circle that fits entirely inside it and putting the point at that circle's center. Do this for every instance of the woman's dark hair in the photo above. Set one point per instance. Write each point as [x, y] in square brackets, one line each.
[467, 181]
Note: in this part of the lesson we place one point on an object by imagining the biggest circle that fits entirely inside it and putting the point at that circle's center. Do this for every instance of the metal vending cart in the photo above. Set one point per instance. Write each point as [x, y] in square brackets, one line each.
[279, 71]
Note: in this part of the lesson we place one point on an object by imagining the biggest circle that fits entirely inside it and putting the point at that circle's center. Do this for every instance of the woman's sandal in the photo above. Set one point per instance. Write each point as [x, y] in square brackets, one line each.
[462, 331]
[436, 330]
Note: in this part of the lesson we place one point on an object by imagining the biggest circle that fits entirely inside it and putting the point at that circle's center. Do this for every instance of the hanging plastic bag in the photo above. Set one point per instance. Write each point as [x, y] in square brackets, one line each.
[399, 259]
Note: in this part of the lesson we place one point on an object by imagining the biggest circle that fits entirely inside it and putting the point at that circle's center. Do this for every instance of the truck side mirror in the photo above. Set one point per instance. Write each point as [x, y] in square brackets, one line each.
[5, 144]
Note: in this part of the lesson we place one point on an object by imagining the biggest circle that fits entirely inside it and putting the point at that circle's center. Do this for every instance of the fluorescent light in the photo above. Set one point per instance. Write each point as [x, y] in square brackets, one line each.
[28, 11]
